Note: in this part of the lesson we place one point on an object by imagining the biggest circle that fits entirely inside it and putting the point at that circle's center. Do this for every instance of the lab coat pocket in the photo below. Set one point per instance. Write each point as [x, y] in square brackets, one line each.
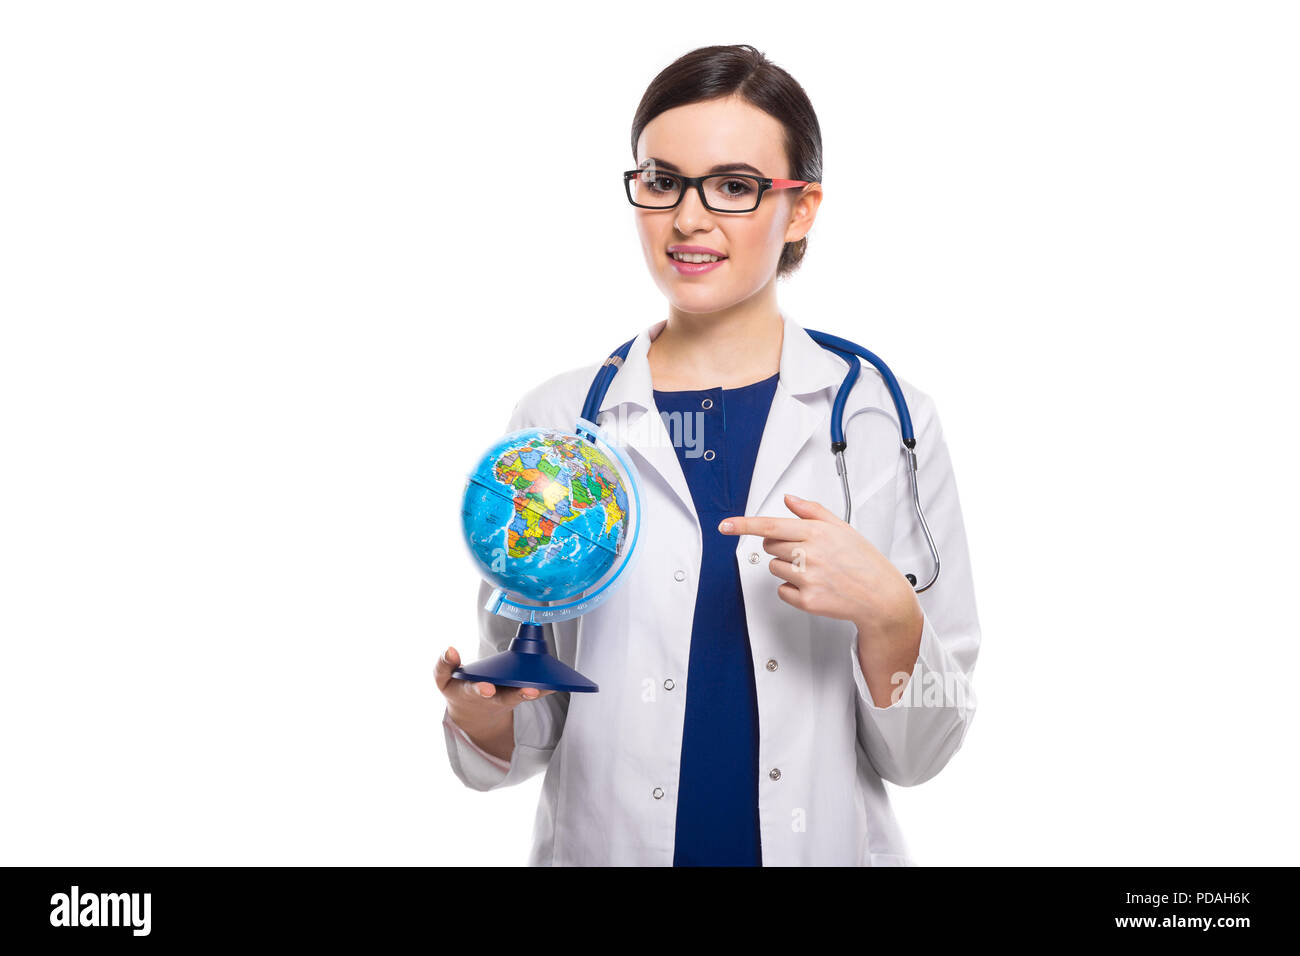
[873, 506]
[881, 480]
[873, 459]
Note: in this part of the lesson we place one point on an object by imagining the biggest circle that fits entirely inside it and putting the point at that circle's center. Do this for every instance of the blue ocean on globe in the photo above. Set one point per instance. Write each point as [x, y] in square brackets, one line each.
[545, 514]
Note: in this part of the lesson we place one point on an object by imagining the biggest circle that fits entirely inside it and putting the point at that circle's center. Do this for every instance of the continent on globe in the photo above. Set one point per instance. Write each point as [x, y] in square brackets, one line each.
[554, 484]
[545, 513]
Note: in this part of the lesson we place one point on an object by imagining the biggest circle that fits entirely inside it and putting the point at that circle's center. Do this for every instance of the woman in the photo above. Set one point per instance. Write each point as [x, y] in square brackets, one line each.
[747, 711]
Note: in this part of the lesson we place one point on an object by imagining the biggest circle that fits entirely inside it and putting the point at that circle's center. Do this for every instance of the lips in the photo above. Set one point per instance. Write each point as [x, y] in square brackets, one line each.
[695, 268]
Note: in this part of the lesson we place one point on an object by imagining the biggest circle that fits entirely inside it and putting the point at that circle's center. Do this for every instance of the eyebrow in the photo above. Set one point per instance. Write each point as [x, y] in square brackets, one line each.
[720, 168]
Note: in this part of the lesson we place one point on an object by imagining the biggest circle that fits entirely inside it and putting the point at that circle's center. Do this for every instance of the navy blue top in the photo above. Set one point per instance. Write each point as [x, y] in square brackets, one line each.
[717, 796]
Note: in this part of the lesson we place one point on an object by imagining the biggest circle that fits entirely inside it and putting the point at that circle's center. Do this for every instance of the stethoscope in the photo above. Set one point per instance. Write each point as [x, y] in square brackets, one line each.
[848, 351]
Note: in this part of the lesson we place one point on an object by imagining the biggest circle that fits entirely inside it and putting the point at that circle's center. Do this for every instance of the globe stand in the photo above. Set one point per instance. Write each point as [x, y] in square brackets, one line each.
[526, 663]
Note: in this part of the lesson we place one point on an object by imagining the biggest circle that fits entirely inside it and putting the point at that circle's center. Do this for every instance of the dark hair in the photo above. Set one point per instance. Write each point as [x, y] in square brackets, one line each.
[714, 72]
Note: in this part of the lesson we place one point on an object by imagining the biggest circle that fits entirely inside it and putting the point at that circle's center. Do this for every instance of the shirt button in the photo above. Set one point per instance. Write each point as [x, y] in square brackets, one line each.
[708, 455]
[707, 403]
[753, 557]
[679, 575]
[668, 684]
[658, 793]
[771, 663]
[775, 773]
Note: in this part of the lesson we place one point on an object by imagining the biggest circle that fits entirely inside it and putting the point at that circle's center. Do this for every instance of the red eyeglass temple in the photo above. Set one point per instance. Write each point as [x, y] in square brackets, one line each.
[787, 183]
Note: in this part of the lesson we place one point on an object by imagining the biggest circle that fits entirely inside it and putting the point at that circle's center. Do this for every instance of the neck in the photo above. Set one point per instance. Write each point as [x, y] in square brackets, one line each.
[730, 348]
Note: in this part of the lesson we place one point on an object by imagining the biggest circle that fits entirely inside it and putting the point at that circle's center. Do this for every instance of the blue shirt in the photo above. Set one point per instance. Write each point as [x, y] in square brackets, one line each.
[716, 433]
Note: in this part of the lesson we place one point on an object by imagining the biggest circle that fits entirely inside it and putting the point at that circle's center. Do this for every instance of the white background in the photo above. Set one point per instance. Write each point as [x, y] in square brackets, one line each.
[259, 263]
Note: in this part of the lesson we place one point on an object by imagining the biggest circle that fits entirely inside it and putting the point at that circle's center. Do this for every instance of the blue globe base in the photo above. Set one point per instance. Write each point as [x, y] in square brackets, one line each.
[526, 663]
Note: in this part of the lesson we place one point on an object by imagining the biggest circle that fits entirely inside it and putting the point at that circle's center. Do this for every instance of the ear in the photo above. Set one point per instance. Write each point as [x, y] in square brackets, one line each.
[803, 211]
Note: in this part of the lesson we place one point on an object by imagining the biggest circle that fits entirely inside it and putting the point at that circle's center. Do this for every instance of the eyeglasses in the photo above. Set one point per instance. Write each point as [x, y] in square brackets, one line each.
[651, 188]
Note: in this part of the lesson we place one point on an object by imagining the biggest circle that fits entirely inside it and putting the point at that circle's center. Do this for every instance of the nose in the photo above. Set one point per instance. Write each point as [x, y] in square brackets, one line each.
[692, 215]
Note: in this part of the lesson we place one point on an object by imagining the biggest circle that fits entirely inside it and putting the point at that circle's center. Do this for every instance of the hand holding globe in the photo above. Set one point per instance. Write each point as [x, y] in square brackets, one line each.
[484, 711]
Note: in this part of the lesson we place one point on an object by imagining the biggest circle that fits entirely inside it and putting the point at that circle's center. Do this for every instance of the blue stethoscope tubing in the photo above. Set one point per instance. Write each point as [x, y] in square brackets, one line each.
[848, 351]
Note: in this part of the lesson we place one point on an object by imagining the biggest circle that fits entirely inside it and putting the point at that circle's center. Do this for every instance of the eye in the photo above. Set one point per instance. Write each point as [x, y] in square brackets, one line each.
[737, 187]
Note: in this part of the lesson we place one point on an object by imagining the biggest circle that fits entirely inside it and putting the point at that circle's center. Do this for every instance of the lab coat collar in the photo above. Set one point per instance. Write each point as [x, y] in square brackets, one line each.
[806, 367]
[800, 411]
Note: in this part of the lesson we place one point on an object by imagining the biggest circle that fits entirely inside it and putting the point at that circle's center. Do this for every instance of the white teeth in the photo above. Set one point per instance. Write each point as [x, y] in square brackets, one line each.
[694, 257]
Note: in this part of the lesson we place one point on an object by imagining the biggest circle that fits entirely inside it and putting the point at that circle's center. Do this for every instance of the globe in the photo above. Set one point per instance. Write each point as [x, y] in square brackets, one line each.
[545, 514]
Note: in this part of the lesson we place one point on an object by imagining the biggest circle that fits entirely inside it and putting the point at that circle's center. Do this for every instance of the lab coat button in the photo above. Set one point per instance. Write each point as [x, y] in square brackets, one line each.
[668, 684]
[658, 793]
[753, 557]
[679, 575]
[771, 663]
[708, 455]
[775, 773]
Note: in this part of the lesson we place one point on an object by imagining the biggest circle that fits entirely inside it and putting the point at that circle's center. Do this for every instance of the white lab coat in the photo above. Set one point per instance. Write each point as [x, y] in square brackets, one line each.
[612, 758]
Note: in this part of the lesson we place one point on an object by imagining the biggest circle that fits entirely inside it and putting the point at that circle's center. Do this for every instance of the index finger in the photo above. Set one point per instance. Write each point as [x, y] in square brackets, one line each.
[783, 529]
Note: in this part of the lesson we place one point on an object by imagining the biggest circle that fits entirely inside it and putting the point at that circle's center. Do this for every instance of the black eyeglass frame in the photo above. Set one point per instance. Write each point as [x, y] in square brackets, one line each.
[764, 184]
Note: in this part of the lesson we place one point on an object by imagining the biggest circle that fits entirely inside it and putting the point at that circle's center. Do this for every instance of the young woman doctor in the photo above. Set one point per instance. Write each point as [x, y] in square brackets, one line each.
[748, 711]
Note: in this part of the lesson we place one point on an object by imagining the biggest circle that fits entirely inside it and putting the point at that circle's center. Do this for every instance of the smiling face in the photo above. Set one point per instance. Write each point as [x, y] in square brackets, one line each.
[692, 140]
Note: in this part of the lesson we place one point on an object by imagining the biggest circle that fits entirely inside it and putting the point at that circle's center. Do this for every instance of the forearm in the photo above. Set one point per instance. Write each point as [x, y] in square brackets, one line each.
[496, 736]
[888, 652]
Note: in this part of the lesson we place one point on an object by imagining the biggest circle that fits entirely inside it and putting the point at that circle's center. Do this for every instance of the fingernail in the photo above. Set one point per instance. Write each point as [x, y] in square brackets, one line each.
[725, 526]
[795, 497]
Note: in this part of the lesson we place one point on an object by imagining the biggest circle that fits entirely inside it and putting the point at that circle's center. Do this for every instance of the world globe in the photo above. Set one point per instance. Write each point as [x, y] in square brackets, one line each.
[545, 514]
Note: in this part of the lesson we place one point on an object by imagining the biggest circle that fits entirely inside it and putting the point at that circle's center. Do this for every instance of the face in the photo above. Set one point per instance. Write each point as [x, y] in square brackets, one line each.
[694, 138]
